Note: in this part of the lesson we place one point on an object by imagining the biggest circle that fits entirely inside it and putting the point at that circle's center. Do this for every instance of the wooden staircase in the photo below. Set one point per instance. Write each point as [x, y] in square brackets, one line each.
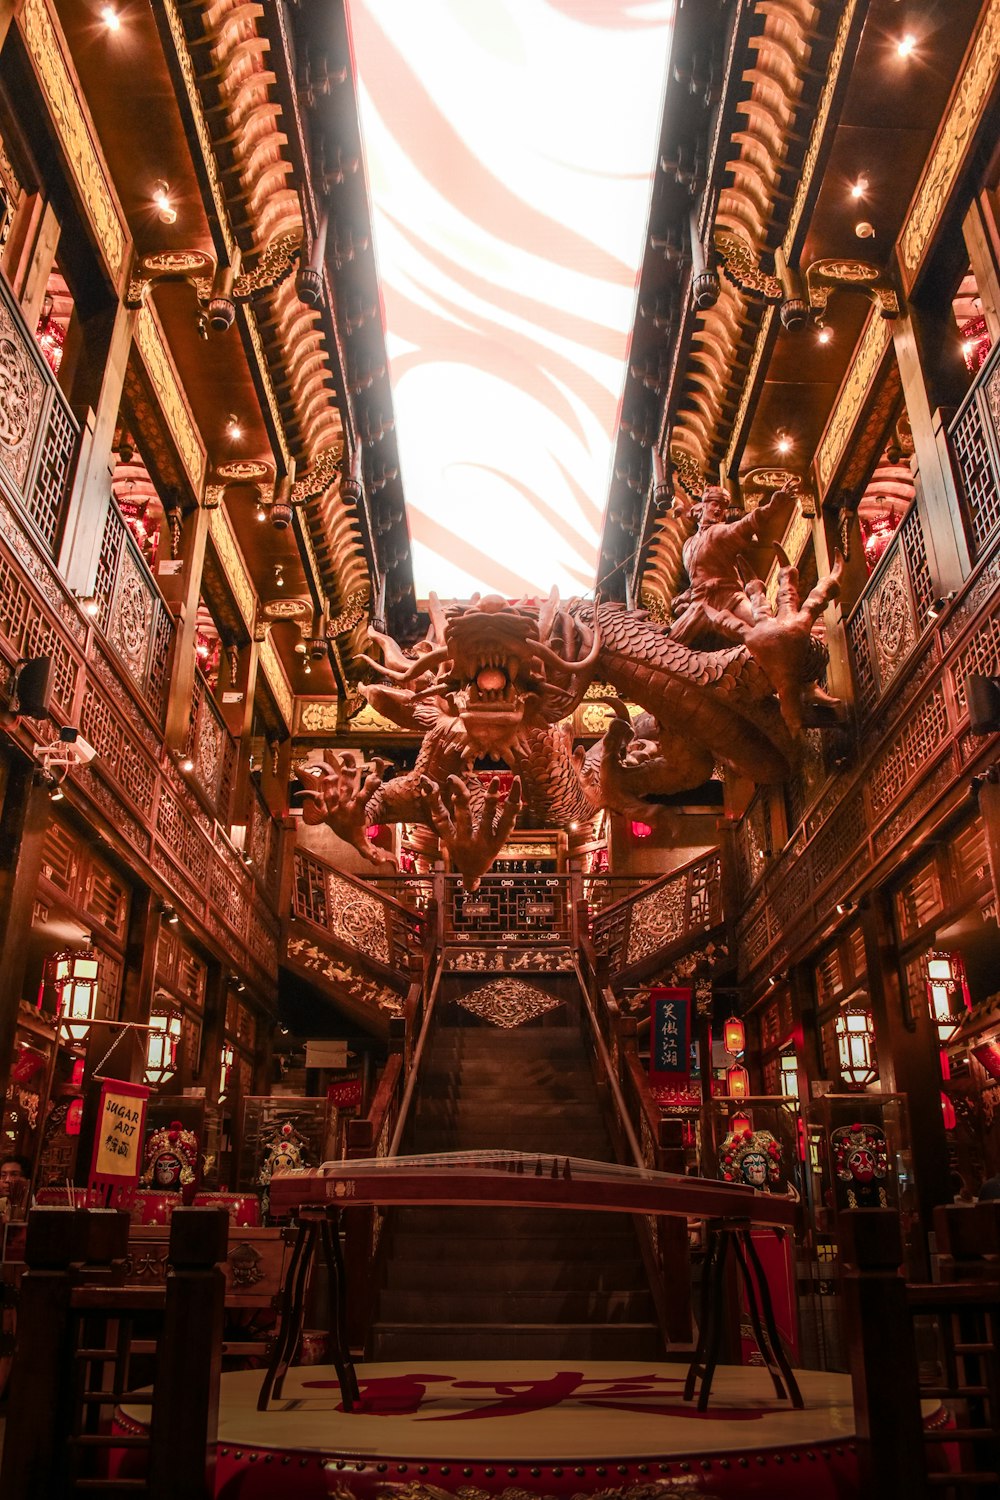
[512, 1283]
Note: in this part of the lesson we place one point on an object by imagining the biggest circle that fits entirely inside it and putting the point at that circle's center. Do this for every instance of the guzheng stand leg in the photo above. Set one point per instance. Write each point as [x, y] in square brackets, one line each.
[758, 1293]
[339, 1349]
[706, 1354]
[755, 1281]
[292, 1308]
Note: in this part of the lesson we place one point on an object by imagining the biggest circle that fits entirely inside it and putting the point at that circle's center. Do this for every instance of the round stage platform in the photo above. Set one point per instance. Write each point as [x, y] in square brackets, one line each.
[433, 1430]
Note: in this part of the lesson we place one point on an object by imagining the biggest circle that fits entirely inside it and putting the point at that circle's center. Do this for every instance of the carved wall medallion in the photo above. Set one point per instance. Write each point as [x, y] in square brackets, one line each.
[508, 1003]
[131, 616]
[657, 919]
[287, 609]
[357, 919]
[319, 717]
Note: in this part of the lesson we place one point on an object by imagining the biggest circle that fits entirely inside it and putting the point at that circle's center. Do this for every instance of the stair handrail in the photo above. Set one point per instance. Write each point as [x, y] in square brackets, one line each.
[610, 1073]
[416, 1063]
[405, 928]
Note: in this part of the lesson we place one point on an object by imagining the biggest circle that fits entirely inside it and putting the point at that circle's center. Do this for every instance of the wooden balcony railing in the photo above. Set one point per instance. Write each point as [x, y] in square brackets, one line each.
[634, 933]
[212, 749]
[536, 910]
[892, 613]
[132, 614]
[38, 433]
[355, 918]
[974, 440]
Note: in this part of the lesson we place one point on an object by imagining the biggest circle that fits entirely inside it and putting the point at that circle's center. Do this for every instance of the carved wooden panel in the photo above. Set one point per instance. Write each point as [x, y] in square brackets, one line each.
[891, 614]
[975, 442]
[29, 632]
[131, 613]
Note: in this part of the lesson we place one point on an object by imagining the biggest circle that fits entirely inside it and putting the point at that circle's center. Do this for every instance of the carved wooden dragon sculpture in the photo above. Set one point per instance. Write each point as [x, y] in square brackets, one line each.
[499, 680]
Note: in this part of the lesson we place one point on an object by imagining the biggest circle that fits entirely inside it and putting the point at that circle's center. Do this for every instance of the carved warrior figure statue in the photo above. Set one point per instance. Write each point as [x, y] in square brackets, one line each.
[500, 680]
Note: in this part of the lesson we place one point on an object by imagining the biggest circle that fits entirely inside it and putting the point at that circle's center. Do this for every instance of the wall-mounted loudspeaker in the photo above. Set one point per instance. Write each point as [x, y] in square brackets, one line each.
[33, 688]
[983, 696]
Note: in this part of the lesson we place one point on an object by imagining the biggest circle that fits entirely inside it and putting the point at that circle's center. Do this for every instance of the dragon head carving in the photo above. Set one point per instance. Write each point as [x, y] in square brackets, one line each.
[502, 667]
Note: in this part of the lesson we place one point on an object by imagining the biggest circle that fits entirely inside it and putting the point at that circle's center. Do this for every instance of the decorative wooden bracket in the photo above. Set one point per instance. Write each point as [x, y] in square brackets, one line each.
[826, 276]
[238, 471]
[218, 288]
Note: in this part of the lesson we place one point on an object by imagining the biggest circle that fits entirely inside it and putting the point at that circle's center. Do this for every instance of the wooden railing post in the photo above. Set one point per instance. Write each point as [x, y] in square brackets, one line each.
[189, 1363]
[61, 1245]
[883, 1358]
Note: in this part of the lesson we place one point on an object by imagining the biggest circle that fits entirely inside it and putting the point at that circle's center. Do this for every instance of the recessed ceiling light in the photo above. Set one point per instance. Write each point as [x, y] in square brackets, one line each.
[784, 444]
[824, 335]
[161, 197]
[111, 18]
[233, 427]
[864, 230]
[905, 45]
[860, 187]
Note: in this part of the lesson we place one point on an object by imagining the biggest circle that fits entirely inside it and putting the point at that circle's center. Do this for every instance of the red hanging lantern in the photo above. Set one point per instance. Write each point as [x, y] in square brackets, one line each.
[740, 1124]
[879, 532]
[734, 1037]
[641, 830]
[975, 343]
[737, 1081]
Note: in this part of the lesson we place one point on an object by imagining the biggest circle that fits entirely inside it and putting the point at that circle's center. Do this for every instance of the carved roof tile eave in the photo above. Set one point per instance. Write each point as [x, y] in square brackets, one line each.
[250, 139]
[764, 170]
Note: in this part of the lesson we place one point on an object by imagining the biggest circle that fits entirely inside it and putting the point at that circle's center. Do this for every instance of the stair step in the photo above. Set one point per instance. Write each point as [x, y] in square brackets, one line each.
[439, 1273]
[575, 1305]
[488, 1249]
[527, 1341]
[514, 1223]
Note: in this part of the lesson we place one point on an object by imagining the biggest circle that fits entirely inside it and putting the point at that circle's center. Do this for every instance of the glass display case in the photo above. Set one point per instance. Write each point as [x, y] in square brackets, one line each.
[283, 1130]
[753, 1141]
[181, 1149]
[857, 1156]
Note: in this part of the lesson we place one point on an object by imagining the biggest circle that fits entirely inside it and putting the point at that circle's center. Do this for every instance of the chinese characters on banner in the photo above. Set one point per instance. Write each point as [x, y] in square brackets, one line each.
[117, 1158]
[670, 1036]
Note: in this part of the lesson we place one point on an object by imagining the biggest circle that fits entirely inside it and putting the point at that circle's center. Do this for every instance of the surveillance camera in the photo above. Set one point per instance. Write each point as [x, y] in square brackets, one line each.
[83, 750]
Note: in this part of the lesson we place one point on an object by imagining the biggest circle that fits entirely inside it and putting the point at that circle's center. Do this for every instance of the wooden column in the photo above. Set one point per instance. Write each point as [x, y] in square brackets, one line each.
[883, 1356]
[24, 821]
[808, 1048]
[989, 810]
[213, 1030]
[95, 389]
[982, 240]
[185, 1418]
[183, 601]
[239, 719]
[907, 1057]
[31, 262]
[275, 776]
[140, 957]
[937, 497]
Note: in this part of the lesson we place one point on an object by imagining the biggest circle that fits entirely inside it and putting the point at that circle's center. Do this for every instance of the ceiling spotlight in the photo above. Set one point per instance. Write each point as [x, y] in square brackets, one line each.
[168, 214]
[55, 792]
[111, 18]
[187, 764]
[260, 513]
[864, 230]
[279, 576]
[170, 916]
[905, 45]
[784, 443]
[859, 188]
[306, 667]
[824, 335]
[233, 427]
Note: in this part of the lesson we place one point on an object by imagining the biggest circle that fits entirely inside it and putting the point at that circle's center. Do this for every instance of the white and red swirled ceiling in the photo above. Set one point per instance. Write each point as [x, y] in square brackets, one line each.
[510, 147]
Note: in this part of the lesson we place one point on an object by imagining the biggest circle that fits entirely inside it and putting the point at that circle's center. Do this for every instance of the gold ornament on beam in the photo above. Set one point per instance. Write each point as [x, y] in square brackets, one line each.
[826, 276]
[742, 266]
[218, 288]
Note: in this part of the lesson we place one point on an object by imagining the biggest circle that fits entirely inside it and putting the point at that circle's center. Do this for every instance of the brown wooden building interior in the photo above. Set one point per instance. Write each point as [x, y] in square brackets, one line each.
[203, 512]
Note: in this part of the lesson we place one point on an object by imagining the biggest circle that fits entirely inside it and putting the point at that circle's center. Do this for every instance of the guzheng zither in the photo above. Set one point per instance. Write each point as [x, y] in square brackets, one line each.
[524, 1179]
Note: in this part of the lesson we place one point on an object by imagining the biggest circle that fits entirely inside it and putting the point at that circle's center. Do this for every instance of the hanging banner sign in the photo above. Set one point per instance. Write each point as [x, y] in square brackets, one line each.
[118, 1138]
[670, 1036]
